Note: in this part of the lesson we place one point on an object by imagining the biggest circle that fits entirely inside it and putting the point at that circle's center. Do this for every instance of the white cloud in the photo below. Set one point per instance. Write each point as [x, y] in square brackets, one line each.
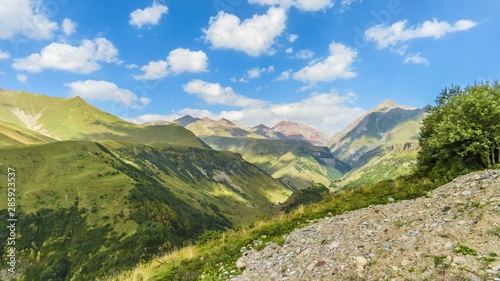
[4, 55]
[178, 61]
[289, 50]
[302, 5]
[292, 38]
[214, 93]
[184, 60]
[285, 75]
[22, 78]
[106, 91]
[346, 3]
[304, 54]
[68, 26]
[131, 66]
[257, 72]
[24, 17]
[336, 66]
[417, 59]
[327, 112]
[254, 36]
[397, 33]
[148, 16]
[78, 59]
[153, 70]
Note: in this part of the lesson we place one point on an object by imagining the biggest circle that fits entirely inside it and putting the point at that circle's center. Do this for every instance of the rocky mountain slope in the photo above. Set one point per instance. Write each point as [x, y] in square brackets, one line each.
[451, 234]
[295, 163]
[297, 131]
[381, 144]
[386, 124]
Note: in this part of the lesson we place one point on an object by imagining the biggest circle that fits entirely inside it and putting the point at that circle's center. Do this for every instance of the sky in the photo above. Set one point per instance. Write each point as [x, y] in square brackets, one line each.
[319, 62]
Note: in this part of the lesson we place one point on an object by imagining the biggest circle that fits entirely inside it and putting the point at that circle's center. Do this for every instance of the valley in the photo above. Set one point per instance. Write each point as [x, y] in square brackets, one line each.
[146, 190]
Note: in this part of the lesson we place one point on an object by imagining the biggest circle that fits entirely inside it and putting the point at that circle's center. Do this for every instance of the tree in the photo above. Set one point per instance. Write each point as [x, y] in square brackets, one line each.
[461, 133]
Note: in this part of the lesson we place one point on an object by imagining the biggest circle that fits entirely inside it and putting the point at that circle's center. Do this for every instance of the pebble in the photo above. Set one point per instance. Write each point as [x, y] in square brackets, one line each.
[418, 234]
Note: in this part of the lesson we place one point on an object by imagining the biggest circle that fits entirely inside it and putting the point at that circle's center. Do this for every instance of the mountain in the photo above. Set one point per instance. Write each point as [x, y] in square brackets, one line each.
[159, 122]
[295, 163]
[41, 119]
[97, 194]
[186, 120]
[297, 131]
[381, 143]
[221, 127]
[263, 130]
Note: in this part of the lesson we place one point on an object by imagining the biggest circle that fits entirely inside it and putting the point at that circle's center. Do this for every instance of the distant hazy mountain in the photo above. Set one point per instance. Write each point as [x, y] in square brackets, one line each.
[222, 128]
[186, 120]
[297, 131]
[155, 123]
[267, 132]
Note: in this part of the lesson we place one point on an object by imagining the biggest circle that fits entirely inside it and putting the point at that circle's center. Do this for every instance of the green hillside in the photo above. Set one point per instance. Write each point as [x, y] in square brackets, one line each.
[75, 119]
[375, 129]
[297, 164]
[80, 203]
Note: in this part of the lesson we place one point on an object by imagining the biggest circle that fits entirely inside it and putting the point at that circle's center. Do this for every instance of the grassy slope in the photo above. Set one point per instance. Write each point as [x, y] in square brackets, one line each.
[203, 177]
[223, 249]
[385, 157]
[376, 129]
[122, 191]
[15, 135]
[295, 163]
[75, 119]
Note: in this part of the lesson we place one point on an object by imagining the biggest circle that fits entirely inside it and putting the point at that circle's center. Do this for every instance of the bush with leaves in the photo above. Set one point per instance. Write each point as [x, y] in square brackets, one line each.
[461, 133]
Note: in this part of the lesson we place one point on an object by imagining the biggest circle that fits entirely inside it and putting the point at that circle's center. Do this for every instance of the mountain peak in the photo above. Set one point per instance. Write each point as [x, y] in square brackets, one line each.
[298, 131]
[387, 105]
[186, 120]
[206, 119]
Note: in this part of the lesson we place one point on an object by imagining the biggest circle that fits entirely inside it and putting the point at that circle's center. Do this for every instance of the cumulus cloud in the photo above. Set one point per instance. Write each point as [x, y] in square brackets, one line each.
[302, 5]
[292, 38]
[416, 59]
[304, 54]
[254, 36]
[68, 26]
[178, 61]
[285, 75]
[184, 60]
[328, 112]
[148, 16]
[106, 91]
[24, 17]
[397, 33]
[336, 66]
[4, 55]
[153, 70]
[78, 59]
[214, 93]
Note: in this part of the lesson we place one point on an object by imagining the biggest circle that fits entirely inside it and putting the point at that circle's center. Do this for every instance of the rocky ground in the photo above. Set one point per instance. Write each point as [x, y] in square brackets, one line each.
[451, 234]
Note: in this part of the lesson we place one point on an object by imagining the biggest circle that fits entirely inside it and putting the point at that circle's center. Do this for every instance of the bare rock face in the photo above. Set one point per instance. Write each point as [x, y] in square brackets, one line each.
[451, 234]
[297, 131]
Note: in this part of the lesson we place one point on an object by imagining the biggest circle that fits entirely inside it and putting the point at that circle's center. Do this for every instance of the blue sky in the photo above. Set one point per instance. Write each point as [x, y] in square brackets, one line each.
[319, 62]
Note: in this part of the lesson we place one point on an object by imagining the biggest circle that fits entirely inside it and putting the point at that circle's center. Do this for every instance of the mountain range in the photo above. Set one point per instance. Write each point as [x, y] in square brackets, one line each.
[380, 144]
[141, 190]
